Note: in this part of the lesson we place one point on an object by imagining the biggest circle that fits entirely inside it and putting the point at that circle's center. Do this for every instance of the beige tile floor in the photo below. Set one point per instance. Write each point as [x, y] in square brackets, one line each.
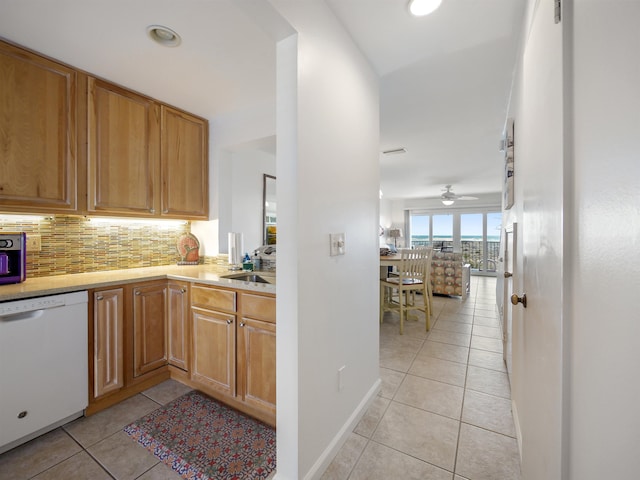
[444, 411]
[95, 447]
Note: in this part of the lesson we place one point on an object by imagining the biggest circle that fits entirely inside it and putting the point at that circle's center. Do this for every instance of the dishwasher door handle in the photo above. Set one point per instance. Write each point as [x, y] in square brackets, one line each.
[21, 316]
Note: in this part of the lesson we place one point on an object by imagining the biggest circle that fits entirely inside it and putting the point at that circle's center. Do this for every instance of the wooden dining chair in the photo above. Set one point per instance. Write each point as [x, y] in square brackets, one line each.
[396, 292]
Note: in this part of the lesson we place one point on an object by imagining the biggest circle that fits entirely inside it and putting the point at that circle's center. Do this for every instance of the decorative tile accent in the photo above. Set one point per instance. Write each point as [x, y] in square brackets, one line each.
[73, 244]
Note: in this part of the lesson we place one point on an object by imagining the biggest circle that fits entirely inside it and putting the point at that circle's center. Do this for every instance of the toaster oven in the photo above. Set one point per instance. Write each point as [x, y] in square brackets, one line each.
[13, 257]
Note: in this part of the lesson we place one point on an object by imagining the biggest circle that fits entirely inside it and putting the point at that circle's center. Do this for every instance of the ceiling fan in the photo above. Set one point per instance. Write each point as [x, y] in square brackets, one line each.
[448, 197]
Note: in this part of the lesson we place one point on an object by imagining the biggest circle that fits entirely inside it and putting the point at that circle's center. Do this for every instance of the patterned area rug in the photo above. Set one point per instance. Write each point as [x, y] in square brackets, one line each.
[200, 438]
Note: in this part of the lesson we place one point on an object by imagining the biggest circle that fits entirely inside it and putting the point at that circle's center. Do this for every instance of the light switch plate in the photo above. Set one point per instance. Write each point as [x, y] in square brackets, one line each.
[336, 241]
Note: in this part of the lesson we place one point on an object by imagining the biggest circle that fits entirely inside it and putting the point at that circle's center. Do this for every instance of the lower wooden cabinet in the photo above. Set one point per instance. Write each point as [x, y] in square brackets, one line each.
[149, 327]
[256, 363]
[214, 350]
[106, 329]
[234, 348]
[128, 342]
[178, 324]
[257, 351]
[219, 340]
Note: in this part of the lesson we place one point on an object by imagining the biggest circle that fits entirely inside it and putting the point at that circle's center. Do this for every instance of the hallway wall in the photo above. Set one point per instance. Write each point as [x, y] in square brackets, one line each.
[328, 178]
[604, 330]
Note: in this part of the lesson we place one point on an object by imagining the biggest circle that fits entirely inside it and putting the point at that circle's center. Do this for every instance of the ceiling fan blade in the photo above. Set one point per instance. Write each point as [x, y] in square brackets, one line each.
[464, 197]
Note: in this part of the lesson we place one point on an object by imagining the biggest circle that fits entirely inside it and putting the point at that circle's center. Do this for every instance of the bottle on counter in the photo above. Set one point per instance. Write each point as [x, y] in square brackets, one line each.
[256, 262]
[247, 264]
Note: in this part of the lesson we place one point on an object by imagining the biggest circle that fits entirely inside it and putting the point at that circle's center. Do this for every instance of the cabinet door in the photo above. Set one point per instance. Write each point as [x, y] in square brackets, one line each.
[149, 328]
[108, 331]
[214, 350]
[184, 165]
[178, 324]
[123, 150]
[257, 363]
[38, 133]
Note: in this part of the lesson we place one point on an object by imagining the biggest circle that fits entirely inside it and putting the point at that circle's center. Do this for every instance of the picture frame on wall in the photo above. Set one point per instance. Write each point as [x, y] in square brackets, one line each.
[507, 189]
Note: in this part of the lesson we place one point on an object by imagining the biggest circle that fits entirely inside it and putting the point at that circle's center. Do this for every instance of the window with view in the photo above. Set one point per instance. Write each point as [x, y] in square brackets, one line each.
[475, 234]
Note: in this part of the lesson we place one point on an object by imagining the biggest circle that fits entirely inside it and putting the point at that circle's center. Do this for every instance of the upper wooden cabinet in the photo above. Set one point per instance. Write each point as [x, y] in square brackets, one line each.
[38, 133]
[144, 158]
[184, 169]
[72, 143]
[123, 150]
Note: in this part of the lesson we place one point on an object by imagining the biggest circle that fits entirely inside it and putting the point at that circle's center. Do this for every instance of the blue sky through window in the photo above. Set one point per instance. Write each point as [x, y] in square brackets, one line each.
[443, 226]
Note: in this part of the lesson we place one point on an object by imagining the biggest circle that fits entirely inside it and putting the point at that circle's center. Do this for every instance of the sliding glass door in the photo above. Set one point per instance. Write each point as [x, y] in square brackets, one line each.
[419, 225]
[475, 234]
[471, 239]
[442, 232]
[492, 240]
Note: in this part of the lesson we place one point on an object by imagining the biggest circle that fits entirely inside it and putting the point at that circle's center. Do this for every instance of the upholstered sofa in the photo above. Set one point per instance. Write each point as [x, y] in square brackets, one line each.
[449, 276]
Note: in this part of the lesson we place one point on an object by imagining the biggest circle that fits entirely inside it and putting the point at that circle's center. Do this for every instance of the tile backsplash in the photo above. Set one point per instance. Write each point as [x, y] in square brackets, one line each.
[72, 244]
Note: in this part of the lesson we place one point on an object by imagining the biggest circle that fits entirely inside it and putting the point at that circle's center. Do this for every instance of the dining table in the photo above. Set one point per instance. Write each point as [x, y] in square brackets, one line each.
[387, 261]
[390, 260]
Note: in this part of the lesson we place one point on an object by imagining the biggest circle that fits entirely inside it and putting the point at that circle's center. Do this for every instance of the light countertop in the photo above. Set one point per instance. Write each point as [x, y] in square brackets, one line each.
[207, 274]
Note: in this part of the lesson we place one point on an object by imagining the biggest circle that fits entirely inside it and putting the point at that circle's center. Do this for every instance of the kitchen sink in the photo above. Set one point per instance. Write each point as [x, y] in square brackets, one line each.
[251, 277]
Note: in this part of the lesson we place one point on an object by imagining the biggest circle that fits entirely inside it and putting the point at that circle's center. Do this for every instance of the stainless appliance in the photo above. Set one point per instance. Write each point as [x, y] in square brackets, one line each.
[43, 365]
[13, 257]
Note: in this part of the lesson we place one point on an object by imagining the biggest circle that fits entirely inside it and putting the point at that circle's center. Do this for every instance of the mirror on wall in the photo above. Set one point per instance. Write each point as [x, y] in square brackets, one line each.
[269, 209]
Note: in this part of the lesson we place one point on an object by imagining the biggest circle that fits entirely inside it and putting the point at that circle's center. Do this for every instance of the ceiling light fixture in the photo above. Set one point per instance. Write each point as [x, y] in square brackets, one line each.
[394, 151]
[448, 203]
[163, 35]
[419, 8]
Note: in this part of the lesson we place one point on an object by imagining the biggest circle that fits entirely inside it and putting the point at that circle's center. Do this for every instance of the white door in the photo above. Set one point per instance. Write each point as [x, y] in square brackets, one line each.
[537, 380]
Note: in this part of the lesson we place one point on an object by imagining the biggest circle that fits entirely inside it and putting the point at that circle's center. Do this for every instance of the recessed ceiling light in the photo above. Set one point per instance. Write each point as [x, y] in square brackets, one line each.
[420, 8]
[163, 35]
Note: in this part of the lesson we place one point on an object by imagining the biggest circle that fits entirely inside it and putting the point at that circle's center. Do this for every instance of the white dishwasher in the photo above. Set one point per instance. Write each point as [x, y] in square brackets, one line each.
[43, 365]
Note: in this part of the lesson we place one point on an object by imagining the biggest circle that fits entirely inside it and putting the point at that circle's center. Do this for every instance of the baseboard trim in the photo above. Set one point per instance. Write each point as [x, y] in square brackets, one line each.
[516, 421]
[323, 462]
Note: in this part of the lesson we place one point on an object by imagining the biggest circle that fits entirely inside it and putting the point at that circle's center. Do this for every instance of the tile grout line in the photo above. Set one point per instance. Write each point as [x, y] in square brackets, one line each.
[464, 394]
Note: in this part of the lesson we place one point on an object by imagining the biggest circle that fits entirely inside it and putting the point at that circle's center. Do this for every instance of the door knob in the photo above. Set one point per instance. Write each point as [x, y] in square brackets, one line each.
[515, 299]
[508, 274]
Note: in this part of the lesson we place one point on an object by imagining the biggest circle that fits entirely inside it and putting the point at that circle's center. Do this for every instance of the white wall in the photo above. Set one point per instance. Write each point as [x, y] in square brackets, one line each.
[605, 326]
[248, 168]
[230, 134]
[328, 177]
[385, 219]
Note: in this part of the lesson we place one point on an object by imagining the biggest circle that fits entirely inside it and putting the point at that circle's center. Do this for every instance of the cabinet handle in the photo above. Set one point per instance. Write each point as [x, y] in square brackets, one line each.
[183, 290]
[152, 210]
[138, 292]
[99, 297]
[242, 324]
[229, 321]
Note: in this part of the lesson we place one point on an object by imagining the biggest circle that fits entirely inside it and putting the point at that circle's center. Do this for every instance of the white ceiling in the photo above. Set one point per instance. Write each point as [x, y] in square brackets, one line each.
[445, 78]
[445, 81]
